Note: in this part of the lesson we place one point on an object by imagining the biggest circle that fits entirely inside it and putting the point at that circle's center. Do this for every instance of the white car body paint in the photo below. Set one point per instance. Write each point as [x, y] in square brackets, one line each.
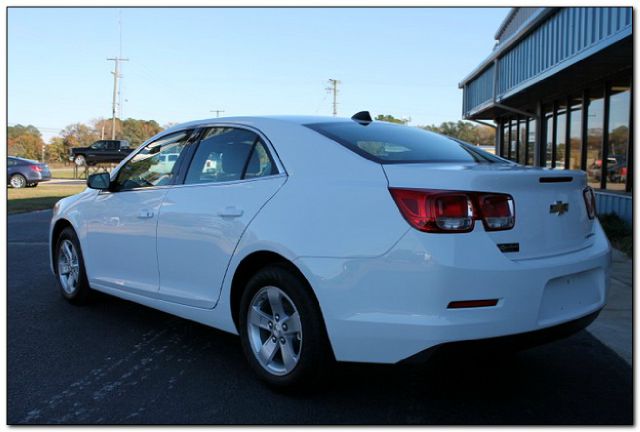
[383, 287]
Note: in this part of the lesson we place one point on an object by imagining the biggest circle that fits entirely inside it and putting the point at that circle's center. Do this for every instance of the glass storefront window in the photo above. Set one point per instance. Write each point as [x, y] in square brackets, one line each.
[548, 126]
[561, 137]
[522, 155]
[575, 135]
[513, 153]
[531, 148]
[595, 123]
[618, 137]
[505, 138]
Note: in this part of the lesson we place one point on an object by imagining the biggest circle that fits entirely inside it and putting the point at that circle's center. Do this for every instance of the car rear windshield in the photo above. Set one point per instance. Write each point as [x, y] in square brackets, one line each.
[388, 143]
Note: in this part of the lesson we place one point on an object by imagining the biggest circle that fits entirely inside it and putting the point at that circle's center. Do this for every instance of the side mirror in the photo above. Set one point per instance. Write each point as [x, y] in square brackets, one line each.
[100, 181]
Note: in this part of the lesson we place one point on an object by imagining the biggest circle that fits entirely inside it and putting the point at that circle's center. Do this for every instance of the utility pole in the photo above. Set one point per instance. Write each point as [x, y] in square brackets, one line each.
[217, 112]
[120, 87]
[116, 77]
[333, 88]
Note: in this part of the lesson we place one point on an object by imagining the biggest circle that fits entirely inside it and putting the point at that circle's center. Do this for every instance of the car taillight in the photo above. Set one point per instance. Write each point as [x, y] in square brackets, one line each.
[36, 168]
[590, 202]
[439, 211]
[497, 211]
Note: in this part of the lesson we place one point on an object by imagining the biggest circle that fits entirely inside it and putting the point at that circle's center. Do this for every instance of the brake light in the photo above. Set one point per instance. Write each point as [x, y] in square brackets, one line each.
[497, 211]
[439, 211]
[435, 211]
[36, 168]
[590, 202]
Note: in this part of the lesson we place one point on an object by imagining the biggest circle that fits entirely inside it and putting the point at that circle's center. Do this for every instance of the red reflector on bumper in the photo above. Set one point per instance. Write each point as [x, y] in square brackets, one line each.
[472, 303]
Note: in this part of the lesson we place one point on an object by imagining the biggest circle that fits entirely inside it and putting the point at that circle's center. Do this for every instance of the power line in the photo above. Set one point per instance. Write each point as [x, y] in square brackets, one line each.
[217, 112]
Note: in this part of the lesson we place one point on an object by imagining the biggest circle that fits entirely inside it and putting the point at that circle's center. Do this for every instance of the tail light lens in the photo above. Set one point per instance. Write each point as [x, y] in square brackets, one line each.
[438, 211]
[453, 212]
[590, 202]
[36, 168]
[497, 211]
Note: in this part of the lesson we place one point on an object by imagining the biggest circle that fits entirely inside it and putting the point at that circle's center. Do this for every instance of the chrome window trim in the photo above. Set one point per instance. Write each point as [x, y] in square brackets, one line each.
[204, 184]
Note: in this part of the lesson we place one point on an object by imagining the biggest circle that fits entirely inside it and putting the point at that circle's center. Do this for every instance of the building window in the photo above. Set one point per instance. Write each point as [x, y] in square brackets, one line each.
[522, 142]
[531, 142]
[595, 123]
[561, 136]
[617, 147]
[505, 138]
[575, 134]
[513, 146]
[548, 145]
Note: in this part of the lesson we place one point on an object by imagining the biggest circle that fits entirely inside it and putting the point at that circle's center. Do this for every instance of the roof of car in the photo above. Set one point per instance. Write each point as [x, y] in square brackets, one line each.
[295, 119]
[24, 159]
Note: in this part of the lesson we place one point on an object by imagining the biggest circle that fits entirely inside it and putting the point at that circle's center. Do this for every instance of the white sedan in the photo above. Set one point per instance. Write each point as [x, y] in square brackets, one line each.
[319, 239]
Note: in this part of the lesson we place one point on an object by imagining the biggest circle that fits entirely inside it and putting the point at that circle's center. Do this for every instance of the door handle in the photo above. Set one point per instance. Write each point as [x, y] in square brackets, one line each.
[145, 214]
[231, 211]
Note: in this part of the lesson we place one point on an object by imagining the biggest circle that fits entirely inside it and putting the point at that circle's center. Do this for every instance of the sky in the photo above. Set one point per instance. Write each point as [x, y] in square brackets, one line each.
[186, 62]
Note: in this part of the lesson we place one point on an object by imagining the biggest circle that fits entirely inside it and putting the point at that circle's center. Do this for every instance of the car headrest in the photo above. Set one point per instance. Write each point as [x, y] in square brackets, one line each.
[233, 157]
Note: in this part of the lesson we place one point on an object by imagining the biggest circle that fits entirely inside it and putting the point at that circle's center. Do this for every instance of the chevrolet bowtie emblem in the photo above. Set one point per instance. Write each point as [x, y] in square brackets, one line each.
[559, 207]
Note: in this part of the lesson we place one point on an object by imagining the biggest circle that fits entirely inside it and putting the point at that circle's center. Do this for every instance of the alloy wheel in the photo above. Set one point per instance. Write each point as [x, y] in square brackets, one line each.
[274, 330]
[17, 181]
[68, 267]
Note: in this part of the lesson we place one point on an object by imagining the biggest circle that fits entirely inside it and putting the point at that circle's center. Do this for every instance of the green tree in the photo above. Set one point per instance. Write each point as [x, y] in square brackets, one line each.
[138, 131]
[133, 130]
[79, 135]
[24, 141]
[618, 139]
[391, 119]
[57, 150]
[465, 131]
[18, 130]
[27, 146]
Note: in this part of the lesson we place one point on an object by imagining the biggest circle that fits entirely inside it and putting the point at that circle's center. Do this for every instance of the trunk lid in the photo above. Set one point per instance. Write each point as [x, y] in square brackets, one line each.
[550, 213]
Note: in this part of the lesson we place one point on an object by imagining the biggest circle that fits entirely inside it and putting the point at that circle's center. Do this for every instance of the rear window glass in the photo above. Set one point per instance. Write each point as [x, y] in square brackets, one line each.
[389, 143]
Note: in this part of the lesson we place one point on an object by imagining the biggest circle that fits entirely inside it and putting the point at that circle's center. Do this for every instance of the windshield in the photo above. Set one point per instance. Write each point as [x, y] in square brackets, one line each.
[389, 143]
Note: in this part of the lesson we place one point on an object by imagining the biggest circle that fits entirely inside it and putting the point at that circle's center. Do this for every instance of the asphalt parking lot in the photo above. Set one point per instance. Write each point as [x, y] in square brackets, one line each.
[117, 362]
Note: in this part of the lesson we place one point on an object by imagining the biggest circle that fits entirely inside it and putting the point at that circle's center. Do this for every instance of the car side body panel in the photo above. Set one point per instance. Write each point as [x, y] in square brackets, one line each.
[198, 229]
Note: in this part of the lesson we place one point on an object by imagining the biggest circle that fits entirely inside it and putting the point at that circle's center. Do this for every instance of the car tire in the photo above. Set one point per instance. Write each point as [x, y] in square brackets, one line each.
[80, 160]
[18, 181]
[293, 358]
[70, 269]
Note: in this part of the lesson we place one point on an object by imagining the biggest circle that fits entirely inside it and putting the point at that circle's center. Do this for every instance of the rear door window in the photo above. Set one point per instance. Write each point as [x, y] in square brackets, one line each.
[229, 154]
[389, 143]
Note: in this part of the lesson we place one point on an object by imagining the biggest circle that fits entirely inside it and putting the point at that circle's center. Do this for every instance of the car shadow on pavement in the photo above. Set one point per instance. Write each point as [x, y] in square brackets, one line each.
[122, 363]
[576, 380]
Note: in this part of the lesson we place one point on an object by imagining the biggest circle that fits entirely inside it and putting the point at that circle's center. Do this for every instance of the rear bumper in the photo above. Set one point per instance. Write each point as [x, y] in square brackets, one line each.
[516, 342]
[389, 308]
[36, 177]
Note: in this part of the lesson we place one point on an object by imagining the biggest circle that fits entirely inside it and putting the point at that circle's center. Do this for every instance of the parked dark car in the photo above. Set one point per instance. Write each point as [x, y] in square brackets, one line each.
[26, 173]
[103, 151]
